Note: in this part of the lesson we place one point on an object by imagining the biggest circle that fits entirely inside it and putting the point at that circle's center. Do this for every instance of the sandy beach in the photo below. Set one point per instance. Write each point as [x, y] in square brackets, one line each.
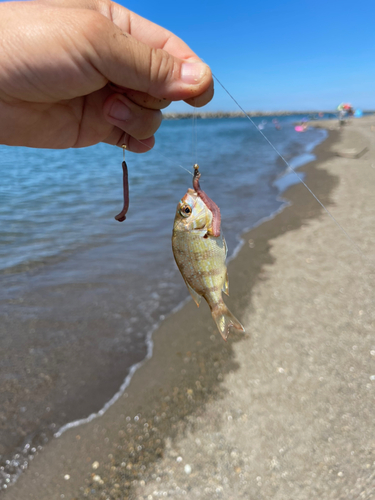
[285, 411]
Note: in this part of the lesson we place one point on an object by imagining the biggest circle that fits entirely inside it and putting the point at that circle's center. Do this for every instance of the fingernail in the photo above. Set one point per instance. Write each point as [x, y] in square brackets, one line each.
[119, 111]
[192, 72]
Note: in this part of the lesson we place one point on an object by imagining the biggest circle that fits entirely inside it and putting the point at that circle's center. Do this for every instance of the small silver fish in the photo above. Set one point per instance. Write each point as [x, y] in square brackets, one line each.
[200, 256]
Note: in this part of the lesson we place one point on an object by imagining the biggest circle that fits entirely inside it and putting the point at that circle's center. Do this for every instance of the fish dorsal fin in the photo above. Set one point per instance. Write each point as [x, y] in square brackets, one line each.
[226, 248]
[197, 298]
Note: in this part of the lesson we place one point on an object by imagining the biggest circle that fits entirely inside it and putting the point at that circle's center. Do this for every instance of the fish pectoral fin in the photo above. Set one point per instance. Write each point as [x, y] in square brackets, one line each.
[226, 284]
[196, 297]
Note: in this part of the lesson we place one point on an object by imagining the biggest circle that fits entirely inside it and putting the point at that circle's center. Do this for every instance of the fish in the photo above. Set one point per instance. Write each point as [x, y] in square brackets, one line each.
[200, 252]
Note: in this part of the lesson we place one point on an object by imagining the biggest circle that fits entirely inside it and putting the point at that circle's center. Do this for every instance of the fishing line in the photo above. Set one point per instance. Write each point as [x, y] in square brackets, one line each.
[192, 140]
[195, 135]
[165, 157]
[292, 169]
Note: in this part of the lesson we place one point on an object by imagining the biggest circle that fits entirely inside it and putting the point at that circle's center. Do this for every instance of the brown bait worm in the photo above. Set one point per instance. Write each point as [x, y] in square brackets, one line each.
[122, 215]
[211, 205]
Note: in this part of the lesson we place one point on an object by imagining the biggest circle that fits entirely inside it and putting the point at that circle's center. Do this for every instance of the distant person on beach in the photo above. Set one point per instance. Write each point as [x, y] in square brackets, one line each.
[341, 117]
[77, 72]
[301, 127]
[276, 123]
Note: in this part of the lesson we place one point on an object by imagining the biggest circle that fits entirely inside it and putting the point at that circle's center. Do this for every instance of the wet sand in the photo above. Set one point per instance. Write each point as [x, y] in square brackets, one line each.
[285, 411]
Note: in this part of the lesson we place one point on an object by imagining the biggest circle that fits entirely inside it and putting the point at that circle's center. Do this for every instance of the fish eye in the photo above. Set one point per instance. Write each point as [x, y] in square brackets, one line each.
[185, 210]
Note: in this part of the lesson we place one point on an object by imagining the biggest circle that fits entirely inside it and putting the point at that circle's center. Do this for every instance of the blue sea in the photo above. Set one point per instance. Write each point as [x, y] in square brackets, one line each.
[82, 293]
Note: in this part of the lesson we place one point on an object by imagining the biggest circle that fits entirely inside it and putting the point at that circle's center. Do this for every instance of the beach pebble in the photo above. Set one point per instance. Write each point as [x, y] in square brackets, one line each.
[187, 469]
[95, 465]
[66, 477]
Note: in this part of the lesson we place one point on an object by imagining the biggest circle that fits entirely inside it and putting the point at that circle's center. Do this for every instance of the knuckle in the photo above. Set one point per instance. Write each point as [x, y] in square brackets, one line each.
[93, 23]
[162, 68]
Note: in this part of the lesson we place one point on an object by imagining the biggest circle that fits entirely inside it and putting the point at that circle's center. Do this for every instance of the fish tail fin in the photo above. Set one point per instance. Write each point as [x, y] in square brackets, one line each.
[224, 319]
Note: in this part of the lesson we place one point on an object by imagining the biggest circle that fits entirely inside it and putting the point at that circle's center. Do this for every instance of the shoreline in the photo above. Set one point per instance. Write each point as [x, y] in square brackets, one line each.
[149, 341]
[76, 425]
[237, 114]
[97, 397]
[170, 395]
[240, 114]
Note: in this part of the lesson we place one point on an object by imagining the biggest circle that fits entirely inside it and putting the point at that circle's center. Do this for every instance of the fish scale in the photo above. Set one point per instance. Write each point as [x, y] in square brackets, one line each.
[202, 261]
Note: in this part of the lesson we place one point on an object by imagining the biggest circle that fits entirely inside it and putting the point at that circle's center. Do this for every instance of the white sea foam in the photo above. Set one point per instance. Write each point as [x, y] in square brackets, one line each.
[126, 382]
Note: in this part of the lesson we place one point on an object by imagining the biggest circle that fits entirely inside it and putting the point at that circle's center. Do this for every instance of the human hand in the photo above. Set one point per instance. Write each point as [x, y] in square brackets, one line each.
[77, 72]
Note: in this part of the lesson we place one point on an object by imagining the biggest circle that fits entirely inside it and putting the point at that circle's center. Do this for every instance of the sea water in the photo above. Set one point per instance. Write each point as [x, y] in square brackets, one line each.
[82, 293]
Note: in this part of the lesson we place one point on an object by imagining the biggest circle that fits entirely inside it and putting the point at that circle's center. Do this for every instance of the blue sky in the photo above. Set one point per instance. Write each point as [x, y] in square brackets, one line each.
[274, 55]
[277, 54]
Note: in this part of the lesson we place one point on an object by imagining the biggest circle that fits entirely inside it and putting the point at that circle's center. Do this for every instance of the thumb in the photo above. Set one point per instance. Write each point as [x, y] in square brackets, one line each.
[127, 62]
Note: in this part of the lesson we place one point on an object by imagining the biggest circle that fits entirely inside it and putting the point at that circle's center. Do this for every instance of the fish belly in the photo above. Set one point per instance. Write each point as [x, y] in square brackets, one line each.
[201, 262]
